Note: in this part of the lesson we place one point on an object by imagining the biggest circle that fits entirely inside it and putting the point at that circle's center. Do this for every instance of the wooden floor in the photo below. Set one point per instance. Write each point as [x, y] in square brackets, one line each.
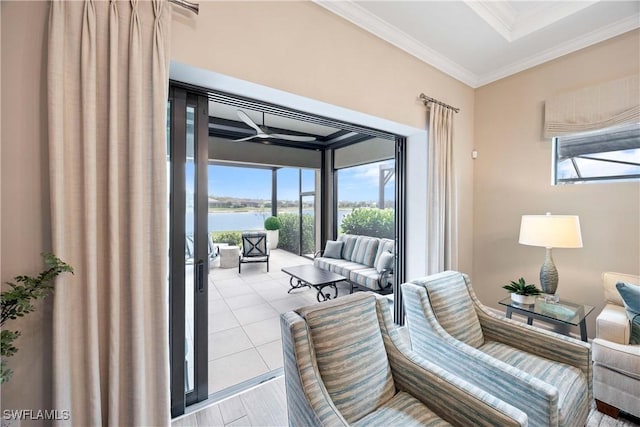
[266, 405]
[263, 406]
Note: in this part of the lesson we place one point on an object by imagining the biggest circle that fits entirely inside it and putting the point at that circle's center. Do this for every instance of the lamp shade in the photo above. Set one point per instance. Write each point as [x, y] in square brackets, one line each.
[551, 231]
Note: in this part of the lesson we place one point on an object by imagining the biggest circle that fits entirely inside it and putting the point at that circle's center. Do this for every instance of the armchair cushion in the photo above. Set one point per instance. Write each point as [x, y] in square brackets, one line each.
[402, 410]
[568, 380]
[350, 355]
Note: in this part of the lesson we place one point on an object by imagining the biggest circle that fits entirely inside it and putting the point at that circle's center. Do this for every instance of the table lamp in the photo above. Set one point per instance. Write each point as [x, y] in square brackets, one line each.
[550, 231]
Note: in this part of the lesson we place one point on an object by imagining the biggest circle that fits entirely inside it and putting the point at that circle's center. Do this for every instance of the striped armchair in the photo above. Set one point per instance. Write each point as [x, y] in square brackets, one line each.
[546, 375]
[345, 364]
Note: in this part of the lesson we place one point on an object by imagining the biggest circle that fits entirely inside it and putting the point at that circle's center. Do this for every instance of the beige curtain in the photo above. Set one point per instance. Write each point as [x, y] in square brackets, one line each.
[595, 107]
[442, 217]
[107, 87]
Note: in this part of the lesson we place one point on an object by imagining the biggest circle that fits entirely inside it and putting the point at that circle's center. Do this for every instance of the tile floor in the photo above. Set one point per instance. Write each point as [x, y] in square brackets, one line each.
[244, 318]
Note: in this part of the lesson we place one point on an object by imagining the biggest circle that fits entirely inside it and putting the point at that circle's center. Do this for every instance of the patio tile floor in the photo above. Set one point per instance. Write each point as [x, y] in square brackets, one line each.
[244, 317]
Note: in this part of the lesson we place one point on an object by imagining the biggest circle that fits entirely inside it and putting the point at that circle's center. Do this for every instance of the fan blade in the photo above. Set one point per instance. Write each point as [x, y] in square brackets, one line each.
[292, 137]
[243, 116]
[248, 138]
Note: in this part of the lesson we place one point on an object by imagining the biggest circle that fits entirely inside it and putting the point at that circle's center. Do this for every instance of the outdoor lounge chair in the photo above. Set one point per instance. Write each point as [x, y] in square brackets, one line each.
[254, 249]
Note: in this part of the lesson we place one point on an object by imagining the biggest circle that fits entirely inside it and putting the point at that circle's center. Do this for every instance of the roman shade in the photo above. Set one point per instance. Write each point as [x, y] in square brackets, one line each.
[625, 137]
[613, 103]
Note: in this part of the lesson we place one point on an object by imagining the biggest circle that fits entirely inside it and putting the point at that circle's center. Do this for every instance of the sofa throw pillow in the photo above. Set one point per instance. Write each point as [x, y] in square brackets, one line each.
[385, 261]
[631, 298]
[333, 249]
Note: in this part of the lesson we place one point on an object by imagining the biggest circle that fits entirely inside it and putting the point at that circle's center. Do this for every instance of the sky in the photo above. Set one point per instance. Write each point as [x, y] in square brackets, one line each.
[359, 183]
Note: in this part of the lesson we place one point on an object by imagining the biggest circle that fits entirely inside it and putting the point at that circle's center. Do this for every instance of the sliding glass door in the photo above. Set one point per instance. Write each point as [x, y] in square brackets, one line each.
[188, 258]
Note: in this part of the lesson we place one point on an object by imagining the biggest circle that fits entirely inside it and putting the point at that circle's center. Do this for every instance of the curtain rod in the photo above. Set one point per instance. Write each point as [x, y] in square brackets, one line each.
[427, 99]
[193, 7]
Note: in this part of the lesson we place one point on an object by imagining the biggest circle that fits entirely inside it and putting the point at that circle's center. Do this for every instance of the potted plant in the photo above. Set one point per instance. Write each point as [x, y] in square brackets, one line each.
[272, 225]
[16, 302]
[521, 292]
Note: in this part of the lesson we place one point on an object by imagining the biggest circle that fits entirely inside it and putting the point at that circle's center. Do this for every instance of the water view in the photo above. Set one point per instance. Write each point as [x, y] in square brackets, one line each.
[243, 221]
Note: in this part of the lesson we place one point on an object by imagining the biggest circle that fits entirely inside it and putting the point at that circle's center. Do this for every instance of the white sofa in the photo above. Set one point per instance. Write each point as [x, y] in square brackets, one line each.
[616, 363]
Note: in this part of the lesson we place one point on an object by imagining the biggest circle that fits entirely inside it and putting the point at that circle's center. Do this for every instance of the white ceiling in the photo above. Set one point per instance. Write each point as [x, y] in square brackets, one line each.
[480, 41]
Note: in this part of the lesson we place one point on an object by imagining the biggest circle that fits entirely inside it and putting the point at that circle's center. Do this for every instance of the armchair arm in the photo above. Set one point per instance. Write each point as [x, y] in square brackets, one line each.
[452, 398]
[308, 402]
[318, 253]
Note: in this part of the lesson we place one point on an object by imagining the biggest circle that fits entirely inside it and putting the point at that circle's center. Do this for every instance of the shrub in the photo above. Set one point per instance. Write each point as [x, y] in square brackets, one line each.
[370, 222]
[230, 237]
[272, 223]
[290, 232]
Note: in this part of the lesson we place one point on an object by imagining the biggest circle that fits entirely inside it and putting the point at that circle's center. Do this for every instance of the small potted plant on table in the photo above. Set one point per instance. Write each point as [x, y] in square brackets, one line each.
[521, 292]
[272, 225]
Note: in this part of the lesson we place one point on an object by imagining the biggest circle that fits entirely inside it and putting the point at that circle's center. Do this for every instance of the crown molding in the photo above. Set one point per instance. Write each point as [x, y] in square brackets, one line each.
[547, 13]
[604, 33]
[499, 15]
[511, 25]
[364, 19]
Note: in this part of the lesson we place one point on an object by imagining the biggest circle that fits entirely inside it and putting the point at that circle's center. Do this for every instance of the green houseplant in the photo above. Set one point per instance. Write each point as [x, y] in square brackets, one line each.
[521, 292]
[17, 301]
[272, 225]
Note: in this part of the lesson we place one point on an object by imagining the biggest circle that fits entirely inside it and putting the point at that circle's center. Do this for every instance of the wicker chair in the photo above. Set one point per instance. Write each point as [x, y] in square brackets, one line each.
[346, 364]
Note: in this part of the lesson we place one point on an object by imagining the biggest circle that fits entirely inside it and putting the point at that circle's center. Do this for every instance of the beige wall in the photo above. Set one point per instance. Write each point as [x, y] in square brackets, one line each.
[513, 174]
[293, 46]
[316, 54]
[24, 193]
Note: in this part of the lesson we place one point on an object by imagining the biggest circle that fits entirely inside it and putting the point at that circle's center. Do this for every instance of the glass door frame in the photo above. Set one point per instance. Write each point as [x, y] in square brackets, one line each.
[180, 99]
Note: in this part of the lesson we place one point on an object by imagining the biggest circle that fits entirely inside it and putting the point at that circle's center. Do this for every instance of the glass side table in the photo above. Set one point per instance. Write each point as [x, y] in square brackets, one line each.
[560, 313]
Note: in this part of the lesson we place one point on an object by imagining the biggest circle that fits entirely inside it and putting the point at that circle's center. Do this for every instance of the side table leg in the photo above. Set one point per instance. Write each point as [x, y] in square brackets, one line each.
[529, 320]
[509, 312]
[583, 330]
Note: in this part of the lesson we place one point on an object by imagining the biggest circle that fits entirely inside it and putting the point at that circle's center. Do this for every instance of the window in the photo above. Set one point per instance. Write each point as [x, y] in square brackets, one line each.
[366, 199]
[611, 154]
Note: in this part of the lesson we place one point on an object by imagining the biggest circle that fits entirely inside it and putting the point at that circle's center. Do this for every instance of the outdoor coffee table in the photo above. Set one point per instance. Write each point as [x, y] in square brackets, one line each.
[312, 276]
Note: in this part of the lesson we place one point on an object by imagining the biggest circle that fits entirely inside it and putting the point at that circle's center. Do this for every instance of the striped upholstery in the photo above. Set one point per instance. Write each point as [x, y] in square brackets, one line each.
[367, 277]
[384, 246]
[402, 410]
[338, 266]
[365, 250]
[537, 396]
[349, 244]
[569, 381]
[313, 337]
[350, 355]
[453, 307]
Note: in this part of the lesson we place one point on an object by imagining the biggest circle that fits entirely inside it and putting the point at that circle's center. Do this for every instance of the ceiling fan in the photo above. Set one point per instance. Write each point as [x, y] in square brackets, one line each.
[262, 132]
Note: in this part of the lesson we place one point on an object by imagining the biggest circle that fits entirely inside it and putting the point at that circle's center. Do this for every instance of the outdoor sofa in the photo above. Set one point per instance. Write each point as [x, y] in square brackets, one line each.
[366, 262]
